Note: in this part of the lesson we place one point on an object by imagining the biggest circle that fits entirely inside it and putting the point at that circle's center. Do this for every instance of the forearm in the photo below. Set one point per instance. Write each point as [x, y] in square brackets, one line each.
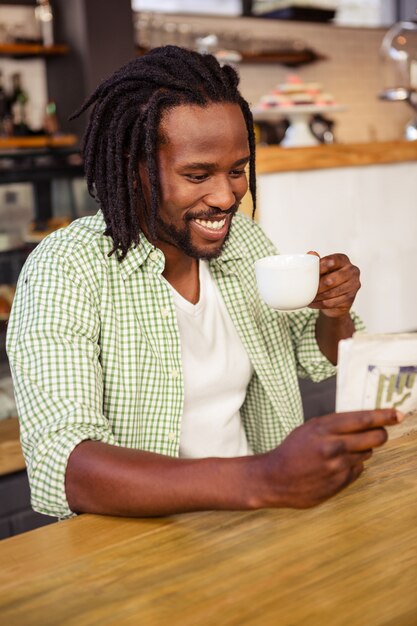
[110, 480]
[330, 330]
[314, 462]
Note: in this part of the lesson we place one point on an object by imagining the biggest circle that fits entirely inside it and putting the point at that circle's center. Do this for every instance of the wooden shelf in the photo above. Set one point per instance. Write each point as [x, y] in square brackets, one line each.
[32, 49]
[289, 58]
[35, 141]
[271, 159]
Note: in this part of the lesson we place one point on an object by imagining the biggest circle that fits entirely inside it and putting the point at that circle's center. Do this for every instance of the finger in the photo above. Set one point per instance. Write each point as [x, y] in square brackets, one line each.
[354, 473]
[347, 461]
[343, 450]
[313, 252]
[340, 290]
[347, 278]
[369, 439]
[333, 262]
[359, 421]
[339, 284]
[347, 476]
[359, 457]
[345, 275]
[342, 302]
[363, 456]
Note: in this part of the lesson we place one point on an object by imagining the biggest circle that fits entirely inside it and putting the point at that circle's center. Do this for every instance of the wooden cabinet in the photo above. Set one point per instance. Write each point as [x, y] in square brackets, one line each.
[16, 514]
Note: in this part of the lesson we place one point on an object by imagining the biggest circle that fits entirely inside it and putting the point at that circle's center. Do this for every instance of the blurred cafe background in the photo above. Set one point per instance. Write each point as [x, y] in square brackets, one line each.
[333, 89]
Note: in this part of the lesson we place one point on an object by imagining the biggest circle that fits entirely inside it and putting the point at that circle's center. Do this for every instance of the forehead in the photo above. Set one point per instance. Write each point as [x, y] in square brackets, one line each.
[192, 132]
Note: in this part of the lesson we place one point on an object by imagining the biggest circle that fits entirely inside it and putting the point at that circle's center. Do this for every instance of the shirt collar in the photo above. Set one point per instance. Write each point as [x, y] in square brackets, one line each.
[142, 253]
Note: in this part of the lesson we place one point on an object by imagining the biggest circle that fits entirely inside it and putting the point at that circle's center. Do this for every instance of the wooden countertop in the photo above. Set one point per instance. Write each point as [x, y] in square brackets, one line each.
[11, 457]
[277, 159]
[350, 561]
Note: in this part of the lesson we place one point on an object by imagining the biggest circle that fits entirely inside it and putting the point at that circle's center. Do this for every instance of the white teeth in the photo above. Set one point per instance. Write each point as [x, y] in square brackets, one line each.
[217, 225]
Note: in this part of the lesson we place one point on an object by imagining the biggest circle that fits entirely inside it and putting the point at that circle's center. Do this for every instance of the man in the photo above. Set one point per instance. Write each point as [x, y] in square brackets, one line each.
[150, 378]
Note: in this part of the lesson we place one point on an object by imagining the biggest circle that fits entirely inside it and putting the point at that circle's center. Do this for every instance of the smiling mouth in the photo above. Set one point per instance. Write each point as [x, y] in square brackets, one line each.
[211, 229]
[211, 224]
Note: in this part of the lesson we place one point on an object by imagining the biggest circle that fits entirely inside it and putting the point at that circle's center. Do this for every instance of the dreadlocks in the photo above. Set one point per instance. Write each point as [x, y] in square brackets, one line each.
[124, 124]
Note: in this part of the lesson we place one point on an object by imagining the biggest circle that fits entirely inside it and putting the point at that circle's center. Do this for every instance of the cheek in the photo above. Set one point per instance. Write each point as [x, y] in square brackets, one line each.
[170, 187]
[241, 187]
[180, 196]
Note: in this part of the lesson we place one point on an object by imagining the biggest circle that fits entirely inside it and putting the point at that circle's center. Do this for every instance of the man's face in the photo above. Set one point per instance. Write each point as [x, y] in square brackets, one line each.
[201, 164]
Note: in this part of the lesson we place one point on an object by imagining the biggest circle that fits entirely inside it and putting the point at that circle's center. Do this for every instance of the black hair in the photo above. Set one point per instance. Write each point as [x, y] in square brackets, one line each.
[123, 130]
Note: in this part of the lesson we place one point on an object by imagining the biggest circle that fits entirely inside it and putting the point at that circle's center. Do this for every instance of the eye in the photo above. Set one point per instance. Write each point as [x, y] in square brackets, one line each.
[197, 178]
[237, 173]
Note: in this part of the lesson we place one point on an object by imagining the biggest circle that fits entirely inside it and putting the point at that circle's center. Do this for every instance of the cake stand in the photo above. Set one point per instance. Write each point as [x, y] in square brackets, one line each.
[298, 133]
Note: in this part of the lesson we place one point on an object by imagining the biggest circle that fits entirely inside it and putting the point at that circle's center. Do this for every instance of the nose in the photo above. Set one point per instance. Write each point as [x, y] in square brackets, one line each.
[222, 195]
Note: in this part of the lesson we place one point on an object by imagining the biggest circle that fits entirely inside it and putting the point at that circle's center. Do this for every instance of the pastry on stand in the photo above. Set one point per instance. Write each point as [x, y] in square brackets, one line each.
[297, 102]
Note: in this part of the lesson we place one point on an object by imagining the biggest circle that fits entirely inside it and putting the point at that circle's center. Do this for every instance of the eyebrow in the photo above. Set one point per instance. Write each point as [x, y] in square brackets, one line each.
[210, 166]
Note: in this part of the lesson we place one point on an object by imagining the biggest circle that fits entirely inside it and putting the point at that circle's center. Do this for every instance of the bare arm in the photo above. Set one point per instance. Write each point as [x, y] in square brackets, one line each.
[120, 481]
[313, 463]
[330, 330]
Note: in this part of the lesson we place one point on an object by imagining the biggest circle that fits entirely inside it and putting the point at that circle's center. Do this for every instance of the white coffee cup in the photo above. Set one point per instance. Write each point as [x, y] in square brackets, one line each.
[287, 282]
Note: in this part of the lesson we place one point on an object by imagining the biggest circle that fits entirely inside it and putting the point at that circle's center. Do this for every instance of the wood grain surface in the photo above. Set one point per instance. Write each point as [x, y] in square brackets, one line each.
[271, 159]
[11, 457]
[351, 561]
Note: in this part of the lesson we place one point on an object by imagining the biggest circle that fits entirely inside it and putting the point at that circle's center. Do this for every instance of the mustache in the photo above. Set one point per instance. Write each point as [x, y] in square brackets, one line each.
[213, 212]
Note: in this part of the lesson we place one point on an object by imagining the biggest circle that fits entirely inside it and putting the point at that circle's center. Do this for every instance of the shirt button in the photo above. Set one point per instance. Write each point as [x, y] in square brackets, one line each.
[165, 312]
[174, 373]
[172, 436]
[154, 255]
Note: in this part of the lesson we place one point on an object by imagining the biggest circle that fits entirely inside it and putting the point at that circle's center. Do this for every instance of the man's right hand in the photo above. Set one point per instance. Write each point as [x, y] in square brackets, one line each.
[321, 457]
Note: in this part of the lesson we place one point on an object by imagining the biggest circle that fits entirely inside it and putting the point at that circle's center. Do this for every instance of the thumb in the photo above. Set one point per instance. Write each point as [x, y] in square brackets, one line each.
[313, 252]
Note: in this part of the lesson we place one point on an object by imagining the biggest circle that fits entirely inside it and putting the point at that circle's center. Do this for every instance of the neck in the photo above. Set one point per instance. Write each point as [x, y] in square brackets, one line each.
[181, 271]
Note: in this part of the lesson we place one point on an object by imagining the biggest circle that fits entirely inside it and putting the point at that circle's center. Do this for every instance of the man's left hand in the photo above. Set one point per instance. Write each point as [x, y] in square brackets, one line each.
[338, 286]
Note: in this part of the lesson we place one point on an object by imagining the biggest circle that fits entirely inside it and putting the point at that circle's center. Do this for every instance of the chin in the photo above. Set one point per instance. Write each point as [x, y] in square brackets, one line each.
[205, 253]
[208, 255]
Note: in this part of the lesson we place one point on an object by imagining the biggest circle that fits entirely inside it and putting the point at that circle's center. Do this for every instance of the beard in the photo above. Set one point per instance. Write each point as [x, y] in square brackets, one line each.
[181, 237]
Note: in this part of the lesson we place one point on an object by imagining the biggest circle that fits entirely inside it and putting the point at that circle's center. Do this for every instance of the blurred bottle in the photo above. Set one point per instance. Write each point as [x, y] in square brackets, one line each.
[399, 69]
[50, 120]
[3, 105]
[398, 58]
[18, 106]
[45, 19]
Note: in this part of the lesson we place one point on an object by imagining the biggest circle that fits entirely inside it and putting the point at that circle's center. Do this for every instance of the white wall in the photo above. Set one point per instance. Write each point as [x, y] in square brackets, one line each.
[370, 213]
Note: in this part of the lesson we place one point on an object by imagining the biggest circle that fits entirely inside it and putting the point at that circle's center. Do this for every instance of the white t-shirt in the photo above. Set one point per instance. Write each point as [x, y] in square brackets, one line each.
[217, 371]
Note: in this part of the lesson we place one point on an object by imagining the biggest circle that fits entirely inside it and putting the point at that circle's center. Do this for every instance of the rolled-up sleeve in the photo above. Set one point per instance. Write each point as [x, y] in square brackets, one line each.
[54, 354]
[311, 362]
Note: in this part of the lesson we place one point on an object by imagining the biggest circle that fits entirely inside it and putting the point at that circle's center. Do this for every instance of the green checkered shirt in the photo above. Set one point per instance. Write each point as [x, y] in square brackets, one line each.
[95, 351]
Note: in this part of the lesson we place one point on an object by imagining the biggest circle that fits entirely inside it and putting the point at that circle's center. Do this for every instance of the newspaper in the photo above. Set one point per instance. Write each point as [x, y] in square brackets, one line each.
[378, 371]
